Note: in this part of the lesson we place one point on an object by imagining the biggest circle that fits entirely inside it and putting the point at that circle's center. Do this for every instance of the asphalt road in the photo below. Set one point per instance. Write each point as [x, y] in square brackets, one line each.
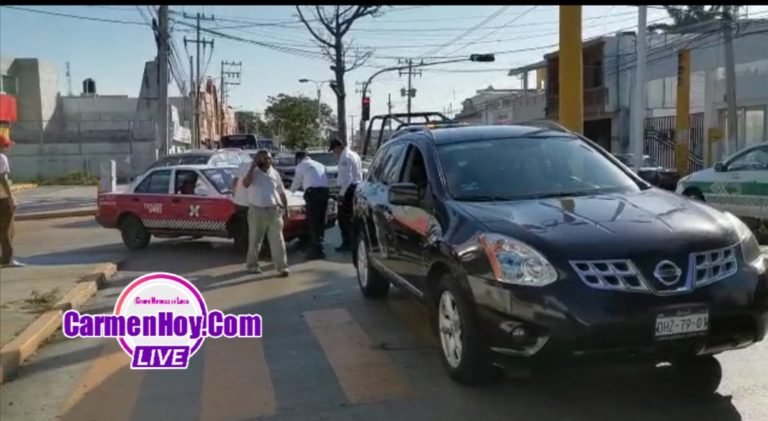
[328, 354]
[57, 198]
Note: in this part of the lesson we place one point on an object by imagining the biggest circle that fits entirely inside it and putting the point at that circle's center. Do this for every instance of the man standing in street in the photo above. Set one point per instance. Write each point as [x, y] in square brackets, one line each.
[7, 208]
[350, 174]
[267, 204]
[311, 177]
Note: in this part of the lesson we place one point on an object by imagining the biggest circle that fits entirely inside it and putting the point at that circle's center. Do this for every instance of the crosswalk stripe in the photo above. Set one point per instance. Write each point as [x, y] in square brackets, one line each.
[92, 397]
[365, 374]
[236, 380]
[415, 317]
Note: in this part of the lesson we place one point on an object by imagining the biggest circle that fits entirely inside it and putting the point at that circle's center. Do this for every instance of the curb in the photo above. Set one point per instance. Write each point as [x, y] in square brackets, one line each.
[14, 353]
[23, 186]
[37, 216]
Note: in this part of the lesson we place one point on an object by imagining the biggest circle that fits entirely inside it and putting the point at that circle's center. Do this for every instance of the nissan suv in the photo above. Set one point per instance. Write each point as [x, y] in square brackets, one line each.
[534, 245]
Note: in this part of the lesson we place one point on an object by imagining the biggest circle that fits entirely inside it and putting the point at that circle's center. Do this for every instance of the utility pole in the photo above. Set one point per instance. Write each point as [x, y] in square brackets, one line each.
[683, 110]
[163, 35]
[228, 77]
[389, 112]
[730, 83]
[352, 128]
[637, 124]
[198, 79]
[411, 92]
[69, 80]
[571, 100]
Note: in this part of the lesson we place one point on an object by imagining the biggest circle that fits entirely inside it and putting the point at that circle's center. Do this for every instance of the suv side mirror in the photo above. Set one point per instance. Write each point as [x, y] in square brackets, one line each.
[720, 167]
[404, 194]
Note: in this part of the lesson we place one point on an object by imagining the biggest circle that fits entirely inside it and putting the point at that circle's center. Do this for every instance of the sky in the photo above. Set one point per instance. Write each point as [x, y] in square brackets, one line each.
[110, 44]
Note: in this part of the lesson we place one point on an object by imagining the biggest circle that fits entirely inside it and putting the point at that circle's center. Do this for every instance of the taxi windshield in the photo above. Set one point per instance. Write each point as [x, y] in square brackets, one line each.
[221, 178]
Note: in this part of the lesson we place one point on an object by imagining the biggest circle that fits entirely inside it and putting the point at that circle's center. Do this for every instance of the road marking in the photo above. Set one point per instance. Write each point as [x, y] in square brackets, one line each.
[365, 374]
[415, 317]
[108, 387]
[236, 381]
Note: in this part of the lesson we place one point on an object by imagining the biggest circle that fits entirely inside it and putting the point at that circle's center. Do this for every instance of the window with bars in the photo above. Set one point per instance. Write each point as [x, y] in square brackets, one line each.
[9, 85]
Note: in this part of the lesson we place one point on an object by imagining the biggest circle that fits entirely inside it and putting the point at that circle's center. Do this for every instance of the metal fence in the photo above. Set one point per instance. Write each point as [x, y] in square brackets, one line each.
[659, 141]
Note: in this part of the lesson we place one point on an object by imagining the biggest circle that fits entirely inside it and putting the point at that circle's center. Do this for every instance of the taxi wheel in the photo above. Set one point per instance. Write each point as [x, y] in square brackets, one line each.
[135, 235]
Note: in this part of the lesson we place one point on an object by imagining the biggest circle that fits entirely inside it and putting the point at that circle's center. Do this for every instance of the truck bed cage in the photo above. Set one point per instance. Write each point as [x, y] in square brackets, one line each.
[402, 120]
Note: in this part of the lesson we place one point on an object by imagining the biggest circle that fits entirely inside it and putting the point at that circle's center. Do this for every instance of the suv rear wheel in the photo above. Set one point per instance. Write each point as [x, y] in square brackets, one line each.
[371, 283]
[464, 354]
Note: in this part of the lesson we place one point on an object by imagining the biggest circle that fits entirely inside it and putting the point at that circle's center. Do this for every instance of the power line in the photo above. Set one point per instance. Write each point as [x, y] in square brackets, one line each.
[511, 21]
[469, 31]
[67, 15]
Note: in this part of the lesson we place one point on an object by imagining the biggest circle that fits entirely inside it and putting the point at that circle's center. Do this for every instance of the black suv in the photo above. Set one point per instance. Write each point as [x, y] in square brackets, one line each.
[533, 244]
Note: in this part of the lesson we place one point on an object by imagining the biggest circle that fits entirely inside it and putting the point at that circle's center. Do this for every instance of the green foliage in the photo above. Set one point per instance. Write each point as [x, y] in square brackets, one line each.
[250, 122]
[79, 178]
[690, 15]
[294, 119]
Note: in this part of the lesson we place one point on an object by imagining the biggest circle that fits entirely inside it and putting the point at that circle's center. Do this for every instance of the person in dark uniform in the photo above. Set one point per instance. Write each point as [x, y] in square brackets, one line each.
[350, 174]
[311, 177]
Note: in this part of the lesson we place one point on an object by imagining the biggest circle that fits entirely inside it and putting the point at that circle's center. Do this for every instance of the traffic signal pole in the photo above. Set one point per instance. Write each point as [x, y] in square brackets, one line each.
[571, 96]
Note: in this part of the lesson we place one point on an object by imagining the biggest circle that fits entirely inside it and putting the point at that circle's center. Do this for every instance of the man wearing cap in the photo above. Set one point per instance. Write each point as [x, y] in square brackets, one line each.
[7, 208]
[311, 177]
[350, 174]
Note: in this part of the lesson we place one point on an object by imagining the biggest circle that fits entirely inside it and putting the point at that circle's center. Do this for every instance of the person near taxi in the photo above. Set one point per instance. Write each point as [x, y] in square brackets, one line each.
[350, 174]
[311, 177]
[267, 204]
[7, 207]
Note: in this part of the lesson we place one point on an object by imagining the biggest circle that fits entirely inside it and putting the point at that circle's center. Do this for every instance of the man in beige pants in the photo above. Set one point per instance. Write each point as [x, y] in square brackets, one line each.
[267, 204]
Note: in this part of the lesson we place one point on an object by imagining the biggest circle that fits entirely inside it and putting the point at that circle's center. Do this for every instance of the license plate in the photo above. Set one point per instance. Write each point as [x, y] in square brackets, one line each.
[682, 323]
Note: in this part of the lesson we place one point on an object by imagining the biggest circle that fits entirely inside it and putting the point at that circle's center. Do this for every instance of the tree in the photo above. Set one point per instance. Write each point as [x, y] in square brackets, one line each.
[331, 25]
[251, 122]
[294, 119]
[683, 16]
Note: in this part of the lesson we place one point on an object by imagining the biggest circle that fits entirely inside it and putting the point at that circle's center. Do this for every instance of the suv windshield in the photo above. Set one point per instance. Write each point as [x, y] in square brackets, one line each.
[221, 178]
[526, 168]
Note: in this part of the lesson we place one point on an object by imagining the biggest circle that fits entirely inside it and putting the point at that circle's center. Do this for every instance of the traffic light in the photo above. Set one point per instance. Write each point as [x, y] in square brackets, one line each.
[366, 108]
[482, 58]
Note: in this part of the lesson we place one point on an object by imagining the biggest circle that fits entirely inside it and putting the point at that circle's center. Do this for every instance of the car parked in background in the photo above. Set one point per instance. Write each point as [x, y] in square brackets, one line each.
[534, 246]
[286, 166]
[190, 200]
[652, 172]
[213, 157]
[738, 184]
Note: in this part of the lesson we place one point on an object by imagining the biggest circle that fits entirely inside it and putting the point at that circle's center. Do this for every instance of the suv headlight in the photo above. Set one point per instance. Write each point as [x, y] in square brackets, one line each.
[750, 248]
[516, 263]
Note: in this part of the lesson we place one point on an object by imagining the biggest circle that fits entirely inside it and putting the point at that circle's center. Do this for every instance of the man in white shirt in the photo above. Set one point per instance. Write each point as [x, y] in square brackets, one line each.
[7, 208]
[311, 177]
[350, 174]
[267, 204]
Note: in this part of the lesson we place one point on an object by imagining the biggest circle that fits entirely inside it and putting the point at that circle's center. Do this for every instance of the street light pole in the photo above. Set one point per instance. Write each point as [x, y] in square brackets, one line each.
[473, 57]
[319, 86]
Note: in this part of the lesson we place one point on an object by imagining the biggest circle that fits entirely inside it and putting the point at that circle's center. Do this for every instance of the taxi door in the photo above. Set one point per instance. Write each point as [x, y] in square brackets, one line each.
[151, 200]
[743, 183]
[202, 212]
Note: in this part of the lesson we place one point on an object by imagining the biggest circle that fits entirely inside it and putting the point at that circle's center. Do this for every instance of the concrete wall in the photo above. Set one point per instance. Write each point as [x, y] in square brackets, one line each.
[33, 162]
[529, 107]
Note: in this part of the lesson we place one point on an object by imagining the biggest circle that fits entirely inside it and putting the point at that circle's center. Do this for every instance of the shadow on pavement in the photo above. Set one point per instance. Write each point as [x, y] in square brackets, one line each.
[98, 254]
[87, 223]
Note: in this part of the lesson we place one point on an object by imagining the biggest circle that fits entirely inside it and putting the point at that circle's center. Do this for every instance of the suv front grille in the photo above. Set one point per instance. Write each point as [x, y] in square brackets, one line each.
[704, 268]
[619, 275]
[713, 265]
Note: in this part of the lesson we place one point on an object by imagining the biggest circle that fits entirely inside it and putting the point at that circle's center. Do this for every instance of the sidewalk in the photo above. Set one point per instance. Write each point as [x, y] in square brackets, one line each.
[58, 253]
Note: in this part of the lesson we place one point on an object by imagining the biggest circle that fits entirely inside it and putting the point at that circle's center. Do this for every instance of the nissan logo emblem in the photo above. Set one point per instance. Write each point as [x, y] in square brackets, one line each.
[667, 272]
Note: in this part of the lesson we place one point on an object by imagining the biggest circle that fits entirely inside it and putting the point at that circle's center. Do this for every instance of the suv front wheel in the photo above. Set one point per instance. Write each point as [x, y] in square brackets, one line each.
[371, 283]
[463, 351]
